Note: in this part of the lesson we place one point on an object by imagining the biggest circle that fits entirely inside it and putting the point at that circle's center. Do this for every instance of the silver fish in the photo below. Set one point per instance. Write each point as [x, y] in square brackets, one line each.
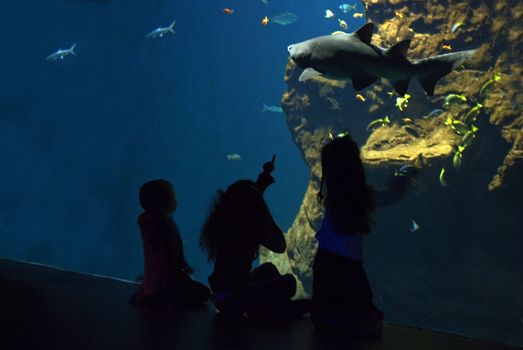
[161, 31]
[61, 53]
[274, 109]
[285, 18]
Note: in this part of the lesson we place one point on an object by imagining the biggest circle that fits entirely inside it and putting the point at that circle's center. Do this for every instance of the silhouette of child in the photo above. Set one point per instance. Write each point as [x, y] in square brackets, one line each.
[167, 282]
[238, 224]
[342, 297]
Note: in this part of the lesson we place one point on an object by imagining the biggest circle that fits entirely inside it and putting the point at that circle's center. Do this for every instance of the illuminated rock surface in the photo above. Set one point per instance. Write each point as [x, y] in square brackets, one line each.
[468, 229]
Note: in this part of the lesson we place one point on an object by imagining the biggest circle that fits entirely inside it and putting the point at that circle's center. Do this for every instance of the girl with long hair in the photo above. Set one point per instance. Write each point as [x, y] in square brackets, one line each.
[239, 223]
[342, 296]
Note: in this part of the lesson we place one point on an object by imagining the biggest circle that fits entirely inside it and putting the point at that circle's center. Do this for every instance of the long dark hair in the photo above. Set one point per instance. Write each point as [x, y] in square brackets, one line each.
[237, 220]
[348, 200]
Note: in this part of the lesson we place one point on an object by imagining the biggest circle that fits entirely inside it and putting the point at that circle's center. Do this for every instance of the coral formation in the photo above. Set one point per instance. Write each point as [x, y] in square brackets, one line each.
[321, 106]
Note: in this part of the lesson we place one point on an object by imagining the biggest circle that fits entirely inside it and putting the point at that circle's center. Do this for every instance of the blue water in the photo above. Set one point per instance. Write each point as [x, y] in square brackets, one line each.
[79, 136]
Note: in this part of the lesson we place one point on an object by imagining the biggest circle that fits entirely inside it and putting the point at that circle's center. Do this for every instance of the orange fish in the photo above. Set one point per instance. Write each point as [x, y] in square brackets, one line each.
[264, 21]
[228, 11]
[360, 97]
[446, 47]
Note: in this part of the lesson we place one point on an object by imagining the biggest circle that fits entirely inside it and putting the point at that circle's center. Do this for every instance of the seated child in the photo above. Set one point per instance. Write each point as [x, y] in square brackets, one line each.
[167, 282]
[342, 296]
[238, 224]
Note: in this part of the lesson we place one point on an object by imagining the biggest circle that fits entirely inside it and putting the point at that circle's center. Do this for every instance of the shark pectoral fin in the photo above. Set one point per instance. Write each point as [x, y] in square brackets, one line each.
[365, 32]
[429, 83]
[400, 49]
[401, 86]
[362, 81]
[308, 73]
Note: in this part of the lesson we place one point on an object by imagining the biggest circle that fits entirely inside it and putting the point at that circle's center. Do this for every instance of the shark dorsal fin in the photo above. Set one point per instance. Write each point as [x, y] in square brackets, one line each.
[365, 32]
[400, 49]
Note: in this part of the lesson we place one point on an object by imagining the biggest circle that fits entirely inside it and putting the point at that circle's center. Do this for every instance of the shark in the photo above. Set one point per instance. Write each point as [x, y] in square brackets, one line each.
[161, 31]
[61, 53]
[351, 56]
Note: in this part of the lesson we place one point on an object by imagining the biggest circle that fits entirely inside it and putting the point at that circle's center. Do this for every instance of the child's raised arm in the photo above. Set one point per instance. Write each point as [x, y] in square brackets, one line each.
[265, 178]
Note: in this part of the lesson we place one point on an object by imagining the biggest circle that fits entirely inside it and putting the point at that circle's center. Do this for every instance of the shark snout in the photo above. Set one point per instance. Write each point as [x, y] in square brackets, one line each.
[290, 48]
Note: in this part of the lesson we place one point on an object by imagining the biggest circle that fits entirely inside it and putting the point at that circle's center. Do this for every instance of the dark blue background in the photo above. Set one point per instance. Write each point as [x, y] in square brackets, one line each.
[79, 136]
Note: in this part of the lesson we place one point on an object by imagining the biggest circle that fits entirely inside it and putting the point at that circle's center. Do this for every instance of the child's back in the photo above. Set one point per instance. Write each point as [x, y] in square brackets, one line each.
[167, 278]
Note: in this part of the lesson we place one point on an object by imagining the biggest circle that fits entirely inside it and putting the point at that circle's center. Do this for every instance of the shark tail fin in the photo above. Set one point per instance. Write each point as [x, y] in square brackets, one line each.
[430, 70]
[72, 49]
[172, 26]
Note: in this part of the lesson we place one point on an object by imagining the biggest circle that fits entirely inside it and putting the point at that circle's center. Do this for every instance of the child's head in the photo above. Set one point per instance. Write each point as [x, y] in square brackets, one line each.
[239, 214]
[344, 188]
[157, 197]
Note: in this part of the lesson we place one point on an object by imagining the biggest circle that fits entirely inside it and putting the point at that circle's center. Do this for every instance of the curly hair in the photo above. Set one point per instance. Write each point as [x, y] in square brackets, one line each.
[348, 200]
[237, 219]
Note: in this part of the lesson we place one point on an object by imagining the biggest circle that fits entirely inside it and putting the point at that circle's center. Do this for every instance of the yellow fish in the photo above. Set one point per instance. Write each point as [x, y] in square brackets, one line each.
[399, 14]
[447, 47]
[442, 180]
[402, 102]
[264, 21]
[343, 24]
[407, 120]
[357, 15]
[360, 97]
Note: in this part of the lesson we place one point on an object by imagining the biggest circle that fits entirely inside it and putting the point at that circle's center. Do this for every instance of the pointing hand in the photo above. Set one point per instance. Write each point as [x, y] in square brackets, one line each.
[268, 167]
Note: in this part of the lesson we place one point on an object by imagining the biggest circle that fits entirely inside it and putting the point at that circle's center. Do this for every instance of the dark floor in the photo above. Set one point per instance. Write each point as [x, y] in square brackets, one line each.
[45, 308]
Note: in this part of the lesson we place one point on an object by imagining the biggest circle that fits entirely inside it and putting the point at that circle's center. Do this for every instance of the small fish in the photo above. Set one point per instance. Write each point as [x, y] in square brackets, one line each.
[329, 13]
[411, 131]
[338, 135]
[360, 97]
[458, 156]
[405, 170]
[338, 32]
[446, 47]
[380, 122]
[399, 14]
[285, 18]
[346, 8]
[456, 26]
[471, 115]
[489, 83]
[343, 24]
[228, 11]
[357, 15]
[442, 180]
[454, 98]
[273, 109]
[413, 226]
[264, 21]
[265, 2]
[402, 102]
[161, 31]
[234, 157]
[390, 93]
[419, 161]
[434, 113]
[467, 139]
[460, 127]
[406, 120]
[61, 53]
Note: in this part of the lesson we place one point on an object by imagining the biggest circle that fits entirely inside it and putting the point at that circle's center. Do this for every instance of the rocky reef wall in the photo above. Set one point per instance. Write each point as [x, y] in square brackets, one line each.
[462, 270]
